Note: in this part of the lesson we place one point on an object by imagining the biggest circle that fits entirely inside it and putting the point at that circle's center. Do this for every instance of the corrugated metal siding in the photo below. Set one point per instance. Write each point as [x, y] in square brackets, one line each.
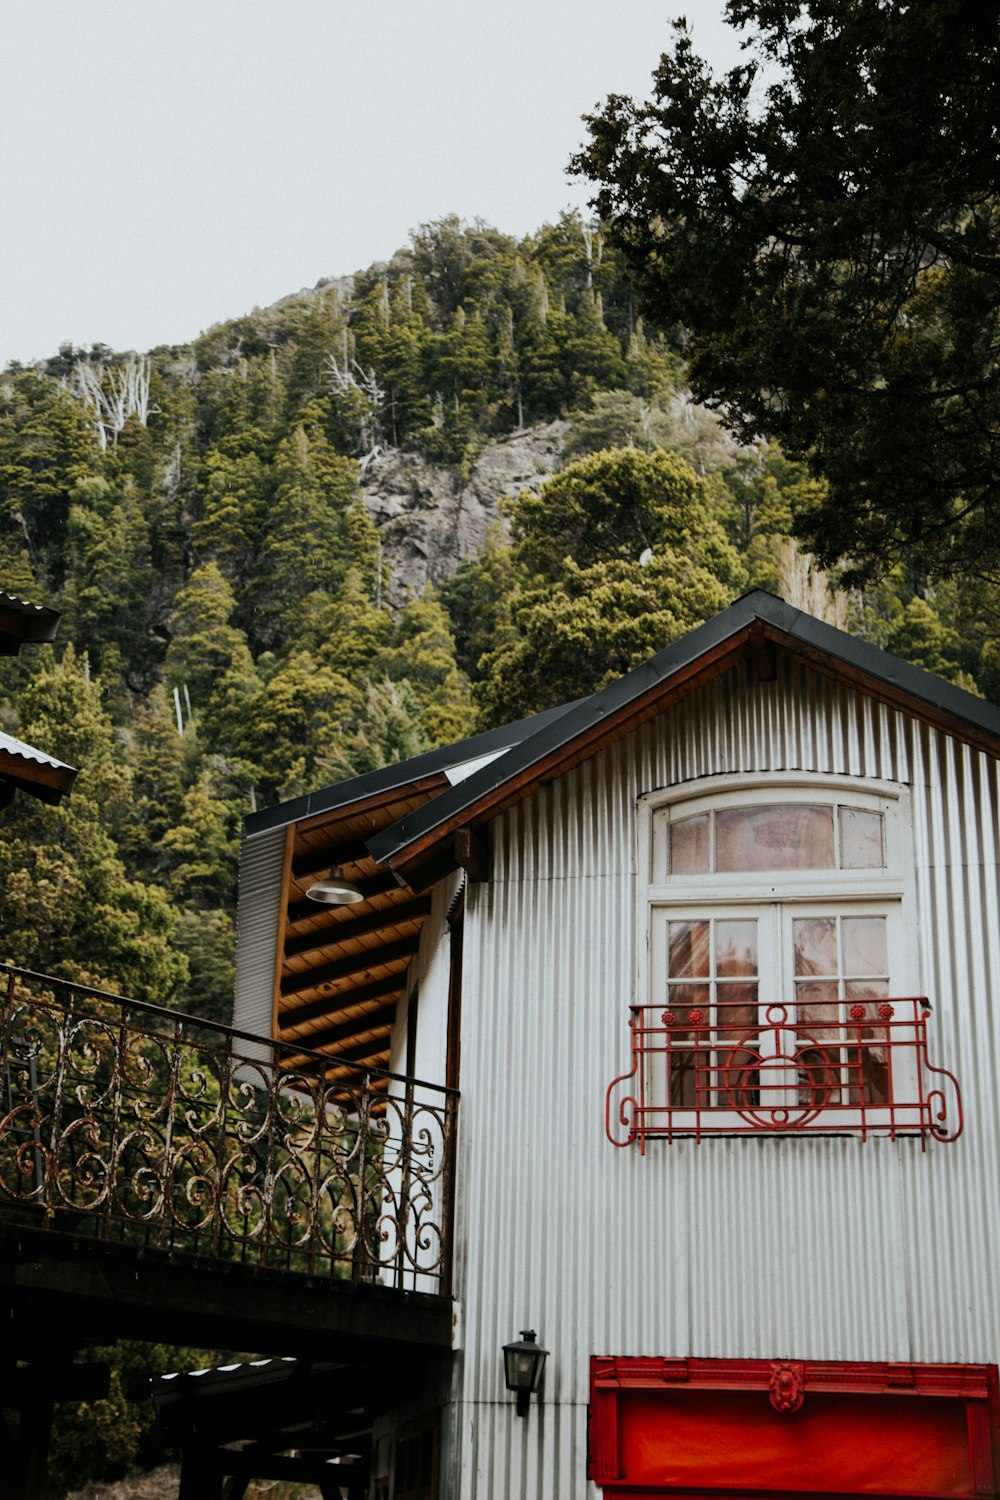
[749, 1248]
[261, 860]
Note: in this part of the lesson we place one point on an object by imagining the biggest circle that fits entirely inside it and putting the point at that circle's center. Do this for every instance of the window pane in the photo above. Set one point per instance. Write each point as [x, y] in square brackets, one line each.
[681, 998]
[786, 836]
[688, 950]
[865, 946]
[737, 1012]
[735, 948]
[815, 945]
[867, 989]
[689, 846]
[862, 840]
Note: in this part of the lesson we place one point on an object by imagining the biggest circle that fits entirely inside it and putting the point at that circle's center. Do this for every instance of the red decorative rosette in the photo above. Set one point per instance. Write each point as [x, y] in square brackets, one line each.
[857, 1012]
[885, 1012]
[668, 1018]
[696, 1017]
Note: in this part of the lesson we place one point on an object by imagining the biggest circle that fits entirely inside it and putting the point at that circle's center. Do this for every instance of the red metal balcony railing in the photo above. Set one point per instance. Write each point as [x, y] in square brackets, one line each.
[125, 1121]
[732, 1068]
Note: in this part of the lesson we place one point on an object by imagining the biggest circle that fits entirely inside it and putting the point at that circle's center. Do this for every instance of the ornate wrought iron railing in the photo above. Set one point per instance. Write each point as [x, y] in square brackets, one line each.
[125, 1121]
[735, 1068]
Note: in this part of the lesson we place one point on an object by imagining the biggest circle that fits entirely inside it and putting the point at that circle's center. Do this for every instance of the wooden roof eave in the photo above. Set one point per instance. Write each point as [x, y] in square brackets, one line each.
[47, 781]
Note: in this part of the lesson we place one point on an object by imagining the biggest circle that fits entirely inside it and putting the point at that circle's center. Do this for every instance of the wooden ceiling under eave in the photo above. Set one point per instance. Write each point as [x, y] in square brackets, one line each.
[342, 969]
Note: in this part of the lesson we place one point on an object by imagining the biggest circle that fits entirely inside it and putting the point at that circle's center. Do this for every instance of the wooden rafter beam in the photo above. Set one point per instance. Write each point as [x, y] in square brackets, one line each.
[364, 1052]
[314, 1010]
[344, 968]
[372, 1020]
[344, 929]
[312, 861]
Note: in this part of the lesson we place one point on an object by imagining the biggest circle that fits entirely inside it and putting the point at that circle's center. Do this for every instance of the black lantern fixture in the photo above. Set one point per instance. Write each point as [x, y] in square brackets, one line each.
[336, 890]
[523, 1363]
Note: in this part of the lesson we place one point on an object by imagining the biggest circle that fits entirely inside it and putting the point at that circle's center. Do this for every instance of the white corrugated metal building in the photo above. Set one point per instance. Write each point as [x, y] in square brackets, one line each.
[710, 958]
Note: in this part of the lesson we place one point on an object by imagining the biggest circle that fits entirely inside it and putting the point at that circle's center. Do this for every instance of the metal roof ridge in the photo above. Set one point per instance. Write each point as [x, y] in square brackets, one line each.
[757, 604]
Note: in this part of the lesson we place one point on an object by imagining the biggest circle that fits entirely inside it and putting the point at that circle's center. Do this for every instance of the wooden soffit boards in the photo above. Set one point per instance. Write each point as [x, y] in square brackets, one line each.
[341, 969]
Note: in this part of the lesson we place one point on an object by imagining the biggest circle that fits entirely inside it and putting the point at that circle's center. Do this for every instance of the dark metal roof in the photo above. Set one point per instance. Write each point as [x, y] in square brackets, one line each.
[560, 729]
[22, 622]
[398, 775]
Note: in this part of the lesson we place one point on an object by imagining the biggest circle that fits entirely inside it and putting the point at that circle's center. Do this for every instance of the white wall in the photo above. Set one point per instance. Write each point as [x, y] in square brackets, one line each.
[752, 1248]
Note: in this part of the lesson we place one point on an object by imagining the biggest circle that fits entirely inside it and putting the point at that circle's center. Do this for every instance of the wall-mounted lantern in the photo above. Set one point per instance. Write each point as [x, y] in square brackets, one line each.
[523, 1362]
[335, 890]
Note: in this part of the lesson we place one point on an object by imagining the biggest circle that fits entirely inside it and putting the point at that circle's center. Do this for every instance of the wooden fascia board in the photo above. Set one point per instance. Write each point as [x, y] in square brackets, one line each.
[422, 785]
[28, 773]
[430, 857]
[31, 625]
[409, 864]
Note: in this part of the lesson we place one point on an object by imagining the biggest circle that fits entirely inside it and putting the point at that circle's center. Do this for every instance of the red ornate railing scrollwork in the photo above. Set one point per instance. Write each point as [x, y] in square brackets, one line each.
[731, 1068]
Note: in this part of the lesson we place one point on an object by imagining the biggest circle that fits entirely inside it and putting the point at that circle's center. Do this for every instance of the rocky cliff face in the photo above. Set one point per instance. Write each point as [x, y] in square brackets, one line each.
[429, 518]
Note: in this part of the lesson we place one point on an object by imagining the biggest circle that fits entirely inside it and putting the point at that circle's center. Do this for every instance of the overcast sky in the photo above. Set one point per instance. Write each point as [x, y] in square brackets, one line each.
[171, 163]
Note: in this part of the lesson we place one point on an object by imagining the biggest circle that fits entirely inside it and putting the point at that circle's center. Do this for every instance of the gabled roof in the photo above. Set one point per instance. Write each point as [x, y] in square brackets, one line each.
[21, 622]
[340, 971]
[414, 847]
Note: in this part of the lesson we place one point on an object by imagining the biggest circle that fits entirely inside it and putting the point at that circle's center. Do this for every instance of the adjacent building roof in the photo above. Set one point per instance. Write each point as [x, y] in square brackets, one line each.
[338, 972]
[21, 622]
[22, 767]
[29, 770]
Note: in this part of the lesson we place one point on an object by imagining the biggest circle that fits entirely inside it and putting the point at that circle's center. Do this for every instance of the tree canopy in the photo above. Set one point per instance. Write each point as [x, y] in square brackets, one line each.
[824, 221]
[614, 558]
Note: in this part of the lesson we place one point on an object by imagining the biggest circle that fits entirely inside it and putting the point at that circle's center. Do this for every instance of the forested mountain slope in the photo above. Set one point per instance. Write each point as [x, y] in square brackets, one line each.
[238, 533]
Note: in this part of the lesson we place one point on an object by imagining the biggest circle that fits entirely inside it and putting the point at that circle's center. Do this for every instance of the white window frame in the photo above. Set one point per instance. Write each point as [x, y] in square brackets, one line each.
[783, 894]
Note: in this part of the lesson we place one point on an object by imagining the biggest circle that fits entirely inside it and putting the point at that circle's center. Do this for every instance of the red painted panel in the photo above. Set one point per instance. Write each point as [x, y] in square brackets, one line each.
[882, 1445]
[762, 1429]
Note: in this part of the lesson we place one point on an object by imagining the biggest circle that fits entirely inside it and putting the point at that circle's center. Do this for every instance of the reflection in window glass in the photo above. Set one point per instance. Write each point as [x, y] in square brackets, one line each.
[784, 836]
[688, 950]
[862, 839]
[816, 945]
[689, 846]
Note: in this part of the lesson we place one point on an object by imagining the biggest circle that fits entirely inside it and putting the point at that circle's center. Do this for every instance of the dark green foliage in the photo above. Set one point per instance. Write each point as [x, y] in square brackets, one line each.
[614, 558]
[833, 248]
[69, 905]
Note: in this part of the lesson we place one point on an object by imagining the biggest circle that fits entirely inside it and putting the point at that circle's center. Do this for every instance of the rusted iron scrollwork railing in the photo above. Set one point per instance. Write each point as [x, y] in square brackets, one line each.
[125, 1121]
